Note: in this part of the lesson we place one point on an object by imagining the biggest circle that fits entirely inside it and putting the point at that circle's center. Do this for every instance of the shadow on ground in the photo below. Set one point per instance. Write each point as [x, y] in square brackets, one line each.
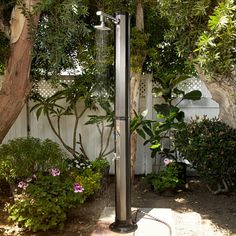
[217, 211]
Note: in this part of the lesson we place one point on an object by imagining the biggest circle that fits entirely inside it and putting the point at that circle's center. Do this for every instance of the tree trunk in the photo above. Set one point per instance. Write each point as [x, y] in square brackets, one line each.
[16, 85]
[134, 87]
[223, 93]
[139, 16]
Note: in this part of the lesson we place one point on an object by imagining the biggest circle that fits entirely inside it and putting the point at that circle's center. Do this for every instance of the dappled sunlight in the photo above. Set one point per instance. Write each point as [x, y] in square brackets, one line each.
[180, 200]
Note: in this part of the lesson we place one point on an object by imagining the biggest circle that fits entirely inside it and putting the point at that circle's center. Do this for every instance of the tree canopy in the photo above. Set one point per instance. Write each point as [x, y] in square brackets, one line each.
[174, 37]
[204, 30]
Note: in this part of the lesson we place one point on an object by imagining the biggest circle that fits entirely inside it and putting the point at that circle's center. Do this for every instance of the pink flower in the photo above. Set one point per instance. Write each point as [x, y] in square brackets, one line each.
[54, 171]
[23, 185]
[167, 161]
[78, 188]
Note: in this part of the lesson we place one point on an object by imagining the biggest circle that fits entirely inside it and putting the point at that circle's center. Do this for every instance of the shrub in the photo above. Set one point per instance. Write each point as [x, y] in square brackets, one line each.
[210, 146]
[23, 157]
[169, 178]
[79, 165]
[46, 199]
[48, 184]
[100, 165]
[90, 180]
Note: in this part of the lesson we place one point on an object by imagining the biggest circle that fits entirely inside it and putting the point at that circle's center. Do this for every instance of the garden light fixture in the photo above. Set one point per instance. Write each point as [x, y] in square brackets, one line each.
[123, 218]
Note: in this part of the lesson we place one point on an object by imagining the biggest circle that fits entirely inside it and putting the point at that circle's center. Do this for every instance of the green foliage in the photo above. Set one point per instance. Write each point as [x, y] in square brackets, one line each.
[23, 157]
[187, 20]
[62, 29]
[100, 119]
[204, 30]
[165, 180]
[137, 122]
[90, 180]
[47, 185]
[209, 144]
[2, 69]
[112, 6]
[100, 164]
[138, 49]
[4, 51]
[105, 126]
[79, 91]
[43, 205]
[46, 201]
[169, 116]
[216, 46]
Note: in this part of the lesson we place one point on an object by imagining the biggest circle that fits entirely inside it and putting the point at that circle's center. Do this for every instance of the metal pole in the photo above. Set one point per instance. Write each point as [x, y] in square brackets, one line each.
[123, 220]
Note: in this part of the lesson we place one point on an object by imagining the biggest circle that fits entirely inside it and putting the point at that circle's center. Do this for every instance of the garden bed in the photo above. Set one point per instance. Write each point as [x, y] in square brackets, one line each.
[218, 212]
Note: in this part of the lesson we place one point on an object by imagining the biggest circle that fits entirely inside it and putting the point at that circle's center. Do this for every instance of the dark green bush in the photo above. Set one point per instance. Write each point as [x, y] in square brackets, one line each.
[210, 145]
[100, 164]
[23, 157]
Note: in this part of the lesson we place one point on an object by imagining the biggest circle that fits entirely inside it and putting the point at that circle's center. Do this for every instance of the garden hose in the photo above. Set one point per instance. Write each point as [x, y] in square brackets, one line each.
[152, 217]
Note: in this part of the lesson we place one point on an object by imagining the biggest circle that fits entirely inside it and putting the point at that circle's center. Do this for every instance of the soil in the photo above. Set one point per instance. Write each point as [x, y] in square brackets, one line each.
[217, 211]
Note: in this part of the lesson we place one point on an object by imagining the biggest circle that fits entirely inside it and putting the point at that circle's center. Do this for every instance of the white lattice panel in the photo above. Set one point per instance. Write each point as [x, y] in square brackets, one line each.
[142, 88]
[190, 84]
[186, 86]
[46, 89]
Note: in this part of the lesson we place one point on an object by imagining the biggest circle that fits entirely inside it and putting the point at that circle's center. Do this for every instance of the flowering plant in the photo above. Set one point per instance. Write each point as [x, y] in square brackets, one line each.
[78, 188]
[24, 157]
[54, 171]
[45, 201]
[46, 187]
[78, 164]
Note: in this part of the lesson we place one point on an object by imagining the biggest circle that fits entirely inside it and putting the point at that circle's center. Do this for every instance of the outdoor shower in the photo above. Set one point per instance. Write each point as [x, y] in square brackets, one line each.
[123, 218]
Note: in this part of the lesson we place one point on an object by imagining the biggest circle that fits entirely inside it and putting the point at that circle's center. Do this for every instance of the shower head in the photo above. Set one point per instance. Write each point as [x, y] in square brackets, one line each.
[102, 26]
[103, 18]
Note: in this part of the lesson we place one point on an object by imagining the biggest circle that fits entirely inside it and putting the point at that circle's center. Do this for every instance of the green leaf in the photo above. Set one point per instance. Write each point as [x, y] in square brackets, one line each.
[162, 108]
[35, 106]
[38, 112]
[141, 133]
[158, 91]
[178, 92]
[193, 95]
[155, 146]
[180, 116]
[154, 152]
[147, 130]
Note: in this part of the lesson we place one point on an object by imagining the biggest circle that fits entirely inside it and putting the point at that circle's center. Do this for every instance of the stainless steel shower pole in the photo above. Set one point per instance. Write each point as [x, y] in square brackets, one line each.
[123, 221]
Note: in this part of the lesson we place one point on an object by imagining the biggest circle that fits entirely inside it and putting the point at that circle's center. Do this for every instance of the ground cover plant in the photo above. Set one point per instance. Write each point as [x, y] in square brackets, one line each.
[209, 144]
[168, 179]
[44, 183]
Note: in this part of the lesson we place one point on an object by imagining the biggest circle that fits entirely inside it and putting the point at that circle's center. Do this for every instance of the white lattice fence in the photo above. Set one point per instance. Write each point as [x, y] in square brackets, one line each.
[46, 89]
[144, 163]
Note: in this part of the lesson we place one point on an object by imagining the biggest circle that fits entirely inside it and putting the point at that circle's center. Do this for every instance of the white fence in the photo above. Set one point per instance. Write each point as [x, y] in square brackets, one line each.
[27, 123]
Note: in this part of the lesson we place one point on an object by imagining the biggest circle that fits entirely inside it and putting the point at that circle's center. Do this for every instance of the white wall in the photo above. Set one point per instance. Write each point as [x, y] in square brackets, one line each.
[91, 141]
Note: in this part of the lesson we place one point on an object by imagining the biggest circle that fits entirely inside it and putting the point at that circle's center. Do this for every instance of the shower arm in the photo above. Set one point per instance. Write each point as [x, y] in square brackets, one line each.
[103, 14]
